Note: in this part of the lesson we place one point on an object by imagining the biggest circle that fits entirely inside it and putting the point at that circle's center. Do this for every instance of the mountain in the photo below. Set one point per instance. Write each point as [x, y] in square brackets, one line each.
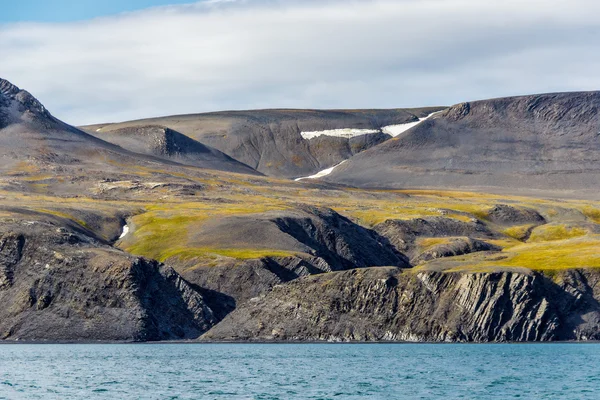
[529, 144]
[29, 132]
[168, 144]
[134, 242]
[285, 143]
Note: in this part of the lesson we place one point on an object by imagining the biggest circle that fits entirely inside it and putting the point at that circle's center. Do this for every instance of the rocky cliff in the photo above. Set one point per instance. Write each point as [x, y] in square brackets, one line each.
[60, 282]
[318, 239]
[379, 304]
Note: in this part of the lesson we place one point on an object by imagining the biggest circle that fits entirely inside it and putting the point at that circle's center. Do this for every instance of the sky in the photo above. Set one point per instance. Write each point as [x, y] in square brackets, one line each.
[114, 60]
[72, 10]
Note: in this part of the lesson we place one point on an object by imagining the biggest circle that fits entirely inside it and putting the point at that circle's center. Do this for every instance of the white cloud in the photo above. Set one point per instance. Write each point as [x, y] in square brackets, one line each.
[325, 54]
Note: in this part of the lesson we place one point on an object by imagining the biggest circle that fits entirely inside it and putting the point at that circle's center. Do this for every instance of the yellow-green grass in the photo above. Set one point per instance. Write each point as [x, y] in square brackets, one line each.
[164, 230]
[156, 236]
[374, 211]
[430, 242]
[592, 213]
[518, 232]
[546, 233]
[582, 252]
[424, 244]
[208, 253]
[62, 215]
[505, 243]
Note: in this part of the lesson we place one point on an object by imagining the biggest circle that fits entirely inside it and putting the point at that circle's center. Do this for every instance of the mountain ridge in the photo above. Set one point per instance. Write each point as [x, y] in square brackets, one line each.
[538, 142]
[270, 140]
[98, 242]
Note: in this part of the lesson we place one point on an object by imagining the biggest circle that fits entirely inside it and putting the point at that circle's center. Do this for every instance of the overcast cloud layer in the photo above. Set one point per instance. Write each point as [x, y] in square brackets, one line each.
[310, 54]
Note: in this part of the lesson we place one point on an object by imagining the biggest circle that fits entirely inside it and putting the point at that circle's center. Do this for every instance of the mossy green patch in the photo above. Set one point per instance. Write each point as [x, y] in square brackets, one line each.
[519, 232]
[582, 252]
[546, 233]
[210, 253]
[592, 213]
[62, 215]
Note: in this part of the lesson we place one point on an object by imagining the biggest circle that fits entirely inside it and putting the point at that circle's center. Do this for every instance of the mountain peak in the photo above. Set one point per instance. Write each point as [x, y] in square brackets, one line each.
[7, 88]
[25, 101]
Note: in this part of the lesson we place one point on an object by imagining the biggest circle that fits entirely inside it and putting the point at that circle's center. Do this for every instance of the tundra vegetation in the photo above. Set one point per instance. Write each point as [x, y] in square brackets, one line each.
[148, 242]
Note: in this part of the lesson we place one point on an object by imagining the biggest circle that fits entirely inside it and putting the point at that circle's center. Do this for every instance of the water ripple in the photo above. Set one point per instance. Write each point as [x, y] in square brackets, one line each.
[294, 371]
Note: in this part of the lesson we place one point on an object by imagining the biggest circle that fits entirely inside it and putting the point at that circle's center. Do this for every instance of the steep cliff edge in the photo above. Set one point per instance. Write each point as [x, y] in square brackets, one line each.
[379, 304]
[59, 282]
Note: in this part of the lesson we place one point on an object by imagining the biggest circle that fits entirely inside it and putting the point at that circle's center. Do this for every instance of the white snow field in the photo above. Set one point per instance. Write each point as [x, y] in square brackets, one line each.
[345, 133]
[392, 130]
[321, 174]
[125, 231]
[395, 130]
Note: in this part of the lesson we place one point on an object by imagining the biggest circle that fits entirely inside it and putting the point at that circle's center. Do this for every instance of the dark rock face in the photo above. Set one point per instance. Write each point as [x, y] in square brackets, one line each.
[270, 141]
[504, 214]
[29, 132]
[330, 151]
[20, 101]
[171, 145]
[455, 247]
[59, 284]
[403, 233]
[545, 142]
[322, 239]
[387, 304]
[340, 242]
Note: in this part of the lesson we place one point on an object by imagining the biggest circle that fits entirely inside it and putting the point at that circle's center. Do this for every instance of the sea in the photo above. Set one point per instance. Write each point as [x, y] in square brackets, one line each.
[300, 371]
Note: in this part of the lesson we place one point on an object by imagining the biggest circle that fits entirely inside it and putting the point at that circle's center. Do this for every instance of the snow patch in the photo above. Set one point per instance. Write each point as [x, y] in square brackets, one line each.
[98, 130]
[395, 130]
[344, 133]
[392, 130]
[321, 174]
[125, 231]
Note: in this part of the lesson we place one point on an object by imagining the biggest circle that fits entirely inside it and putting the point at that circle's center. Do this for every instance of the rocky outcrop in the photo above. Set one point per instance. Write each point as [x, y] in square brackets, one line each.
[453, 247]
[59, 284]
[507, 215]
[168, 144]
[339, 241]
[321, 239]
[388, 304]
[403, 233]
[16, 102]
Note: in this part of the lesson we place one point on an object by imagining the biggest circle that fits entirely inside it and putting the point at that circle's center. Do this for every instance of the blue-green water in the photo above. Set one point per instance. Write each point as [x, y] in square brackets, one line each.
[300, 371]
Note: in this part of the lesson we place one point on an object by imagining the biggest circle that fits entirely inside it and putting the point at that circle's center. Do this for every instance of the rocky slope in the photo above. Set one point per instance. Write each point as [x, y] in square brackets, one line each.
[60, 282]
[547, 142]
[378, 304]
[168, 144]
[28, 132]
[271, 141]
[248, 251]
[318, 240]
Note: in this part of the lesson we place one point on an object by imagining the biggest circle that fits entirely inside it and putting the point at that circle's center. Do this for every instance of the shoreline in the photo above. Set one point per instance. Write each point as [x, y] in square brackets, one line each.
[249, 342]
